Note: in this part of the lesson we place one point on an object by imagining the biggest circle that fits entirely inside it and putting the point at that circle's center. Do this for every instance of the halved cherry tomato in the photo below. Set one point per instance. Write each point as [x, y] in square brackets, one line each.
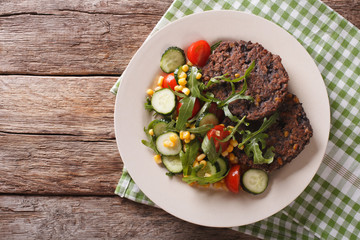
[219, 133]
[232, 180]
[199, 52]
[219, 113]
[169, 81]
[195, 110]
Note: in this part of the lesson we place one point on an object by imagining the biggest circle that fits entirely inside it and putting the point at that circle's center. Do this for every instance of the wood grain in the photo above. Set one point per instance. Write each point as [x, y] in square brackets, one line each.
[32, 217]
[86, 37]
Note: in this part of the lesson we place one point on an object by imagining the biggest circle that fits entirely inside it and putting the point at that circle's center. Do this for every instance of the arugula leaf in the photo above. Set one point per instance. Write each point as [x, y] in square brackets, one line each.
[215, 45]
[201, 130]
[151, 141]
[148, 105]
[208, 147]
[252, 149]
[188, 157]
[196, 87]
[265, 125]
[203, 180]
[202, 110]
[185, 112]
[234, 130]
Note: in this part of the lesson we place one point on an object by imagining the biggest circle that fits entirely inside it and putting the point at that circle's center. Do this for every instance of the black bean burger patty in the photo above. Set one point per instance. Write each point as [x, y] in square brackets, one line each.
[267, 83]
[288, 135]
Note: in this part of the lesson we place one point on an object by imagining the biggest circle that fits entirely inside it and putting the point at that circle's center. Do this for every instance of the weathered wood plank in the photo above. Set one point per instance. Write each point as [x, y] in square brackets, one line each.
[86, 37]
[80, 106]
[58, 165]
[32, 217]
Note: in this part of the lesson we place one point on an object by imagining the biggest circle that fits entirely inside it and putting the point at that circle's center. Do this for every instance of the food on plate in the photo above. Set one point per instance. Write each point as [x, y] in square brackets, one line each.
[225, 118]
[267, 83]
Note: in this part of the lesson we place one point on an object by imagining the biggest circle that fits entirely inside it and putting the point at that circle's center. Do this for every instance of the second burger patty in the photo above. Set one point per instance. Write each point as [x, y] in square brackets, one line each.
[267, 84]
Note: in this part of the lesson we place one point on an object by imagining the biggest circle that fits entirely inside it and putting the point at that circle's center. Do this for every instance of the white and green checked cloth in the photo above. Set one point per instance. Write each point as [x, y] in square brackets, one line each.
[329, 208]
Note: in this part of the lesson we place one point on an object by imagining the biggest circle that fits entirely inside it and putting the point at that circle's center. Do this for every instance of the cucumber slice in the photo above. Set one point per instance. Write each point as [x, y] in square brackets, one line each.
[172, 58]
[168, 151]
[255, 181]
[207, 118]
[172, 163]
[222, 166]
[209, 169]
[159, 126]
[163, 101]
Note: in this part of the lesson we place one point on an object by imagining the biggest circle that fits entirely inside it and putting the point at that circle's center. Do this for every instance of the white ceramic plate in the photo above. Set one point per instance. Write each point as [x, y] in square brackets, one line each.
[201, 206]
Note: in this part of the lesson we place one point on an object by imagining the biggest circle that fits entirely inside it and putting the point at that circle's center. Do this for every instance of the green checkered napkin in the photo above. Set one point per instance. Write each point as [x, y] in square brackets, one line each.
[329, 208]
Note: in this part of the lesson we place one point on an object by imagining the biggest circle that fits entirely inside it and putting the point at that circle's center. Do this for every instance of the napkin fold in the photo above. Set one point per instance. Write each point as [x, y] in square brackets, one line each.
[329, 208]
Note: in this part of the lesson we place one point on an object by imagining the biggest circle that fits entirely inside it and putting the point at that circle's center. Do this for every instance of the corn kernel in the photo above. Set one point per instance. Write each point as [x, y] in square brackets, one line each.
[157, 88]
[224, 153]
[233, 142]
[231, 157]
[207, 175]
[173, 138]
[217, 185]
[150, 92]
[230, 148]
[157, 158]
[237, 75]
[186, 91]
[195, 164]
[182, 81]
[185, 68]
[180, 88]
[192, 136]
[186, 135]
[187, 140]
[286, 134]
[182, 135]
[160, 81]
[198, 76]
[200, 157]
[169, 144]
[183, 75]
[203, 162]
[242, 147]
[151, 132]
[205, 185]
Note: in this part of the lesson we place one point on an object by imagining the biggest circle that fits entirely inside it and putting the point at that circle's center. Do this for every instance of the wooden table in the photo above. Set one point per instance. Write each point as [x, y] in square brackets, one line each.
[59, 163]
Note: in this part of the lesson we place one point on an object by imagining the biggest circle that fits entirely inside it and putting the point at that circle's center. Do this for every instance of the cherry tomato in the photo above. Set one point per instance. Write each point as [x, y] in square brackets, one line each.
[219, 113]
[169, 80]
[195, 110]
[199, 52]
[218, 133]
[232, 180]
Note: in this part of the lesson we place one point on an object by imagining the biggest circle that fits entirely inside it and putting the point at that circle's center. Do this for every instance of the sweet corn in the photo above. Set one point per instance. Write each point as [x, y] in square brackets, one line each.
[157, 158]
[207, 175]
[183, 75]
[195, 164]
[160, 81]
[186, 91]
[186, 135]
[231, 157]
[181, 135]
[230, 148]
[192, 136]
[187, 140]
[158, 88]
[173, 138]
[182, 81]
[185, 68]
[203, 162]
[233, 142]
[200, 157]
[151, 132]
[150, 92]
[180, 88]
[237, 75]
[169, 144]
[224, 153]
[198, 76]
